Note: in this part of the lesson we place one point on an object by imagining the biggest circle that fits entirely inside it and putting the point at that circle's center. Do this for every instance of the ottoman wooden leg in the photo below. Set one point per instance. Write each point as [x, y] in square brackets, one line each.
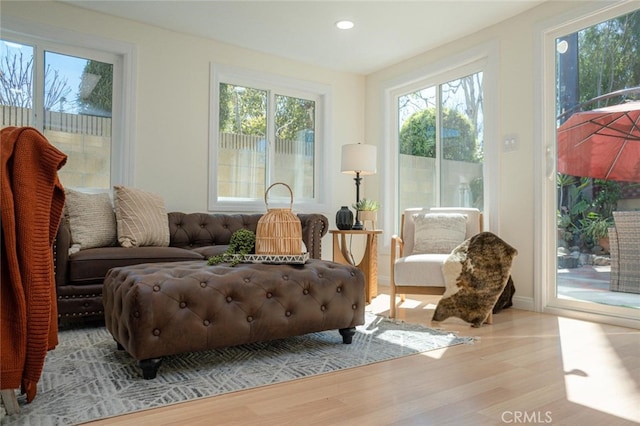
[150, 367]
[347, 334]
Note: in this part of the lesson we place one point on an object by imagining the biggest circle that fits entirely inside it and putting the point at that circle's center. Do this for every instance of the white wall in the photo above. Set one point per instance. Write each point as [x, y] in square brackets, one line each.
[172, 100]
[173, 86]
[515, 116]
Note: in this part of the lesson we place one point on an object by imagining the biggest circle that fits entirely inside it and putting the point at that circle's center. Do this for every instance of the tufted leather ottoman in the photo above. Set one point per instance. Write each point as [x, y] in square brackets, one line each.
[159, 309]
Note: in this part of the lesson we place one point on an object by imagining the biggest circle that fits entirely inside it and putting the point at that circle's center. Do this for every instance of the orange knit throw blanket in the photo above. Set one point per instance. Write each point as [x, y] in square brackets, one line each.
[30, 206]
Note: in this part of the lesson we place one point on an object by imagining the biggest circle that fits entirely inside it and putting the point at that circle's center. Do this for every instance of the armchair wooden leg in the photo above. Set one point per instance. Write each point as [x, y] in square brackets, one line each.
[392, 301]
[489, 319]
[392, 284]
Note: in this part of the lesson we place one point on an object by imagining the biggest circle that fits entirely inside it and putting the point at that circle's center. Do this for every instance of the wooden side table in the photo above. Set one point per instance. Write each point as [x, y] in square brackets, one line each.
[369, 263]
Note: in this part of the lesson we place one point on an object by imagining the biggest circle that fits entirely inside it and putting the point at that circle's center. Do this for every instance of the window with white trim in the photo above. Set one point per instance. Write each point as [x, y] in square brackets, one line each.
[440, 143]
[265, 129]
[75, 95]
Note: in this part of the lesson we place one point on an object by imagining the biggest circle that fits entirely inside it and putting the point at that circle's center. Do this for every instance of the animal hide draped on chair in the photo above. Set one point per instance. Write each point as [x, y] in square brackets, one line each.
[476, 273]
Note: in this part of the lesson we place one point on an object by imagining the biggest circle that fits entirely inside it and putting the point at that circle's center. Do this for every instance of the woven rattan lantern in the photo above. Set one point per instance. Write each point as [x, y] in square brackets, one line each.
[279, 231]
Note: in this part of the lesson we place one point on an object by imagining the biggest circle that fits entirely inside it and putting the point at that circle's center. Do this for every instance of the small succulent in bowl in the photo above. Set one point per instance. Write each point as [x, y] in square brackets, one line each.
[366, 205]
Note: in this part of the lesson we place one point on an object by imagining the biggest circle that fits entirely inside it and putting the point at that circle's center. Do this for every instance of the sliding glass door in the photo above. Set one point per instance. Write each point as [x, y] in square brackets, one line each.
[597, 88]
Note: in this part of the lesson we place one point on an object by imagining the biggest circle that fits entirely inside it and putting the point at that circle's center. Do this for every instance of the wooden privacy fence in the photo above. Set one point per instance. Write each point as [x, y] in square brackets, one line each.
[259, 144]
[58, 121]
[15, 116]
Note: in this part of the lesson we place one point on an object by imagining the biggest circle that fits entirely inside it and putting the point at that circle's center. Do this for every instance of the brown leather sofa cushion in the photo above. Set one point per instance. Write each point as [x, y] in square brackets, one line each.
[193, 230]
[91, 265]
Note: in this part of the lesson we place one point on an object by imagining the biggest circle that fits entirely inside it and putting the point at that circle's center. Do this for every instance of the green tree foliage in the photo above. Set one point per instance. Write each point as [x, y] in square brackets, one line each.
[418, 136]
[609, 57]
[95, 93]
[293, 115]
[225, 108]
[243, 110]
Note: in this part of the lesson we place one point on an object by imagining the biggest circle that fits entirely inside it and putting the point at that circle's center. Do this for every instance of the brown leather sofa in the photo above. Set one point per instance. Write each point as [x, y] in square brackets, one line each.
[193, 236]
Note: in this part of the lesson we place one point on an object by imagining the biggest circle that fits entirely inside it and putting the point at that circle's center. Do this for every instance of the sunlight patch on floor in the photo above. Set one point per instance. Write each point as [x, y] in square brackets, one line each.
[409, 304]
[598, 380]
[434, 354]
[380, 306]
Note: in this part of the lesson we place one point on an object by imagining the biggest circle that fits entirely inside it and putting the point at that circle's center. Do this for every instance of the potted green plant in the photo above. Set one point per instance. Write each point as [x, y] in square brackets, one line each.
[367, 210]
[596, 227]
[242, 242]
[572, 207]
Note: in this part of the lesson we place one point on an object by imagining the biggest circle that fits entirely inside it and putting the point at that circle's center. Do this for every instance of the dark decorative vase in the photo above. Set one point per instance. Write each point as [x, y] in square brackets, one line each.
[344, 219]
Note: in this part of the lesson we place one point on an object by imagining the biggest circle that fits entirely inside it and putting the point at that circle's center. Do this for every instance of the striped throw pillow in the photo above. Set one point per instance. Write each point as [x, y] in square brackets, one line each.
[141, 218]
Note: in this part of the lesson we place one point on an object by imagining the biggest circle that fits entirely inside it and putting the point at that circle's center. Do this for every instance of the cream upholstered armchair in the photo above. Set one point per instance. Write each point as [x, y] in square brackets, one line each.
[416, 263]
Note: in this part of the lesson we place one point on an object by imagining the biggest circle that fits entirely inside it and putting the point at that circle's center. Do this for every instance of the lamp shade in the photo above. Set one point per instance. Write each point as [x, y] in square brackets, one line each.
[358, 158]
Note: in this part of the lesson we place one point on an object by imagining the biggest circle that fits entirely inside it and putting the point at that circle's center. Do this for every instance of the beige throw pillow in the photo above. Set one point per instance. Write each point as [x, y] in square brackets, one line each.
[91, 219]
[438, 232]
[141, 217]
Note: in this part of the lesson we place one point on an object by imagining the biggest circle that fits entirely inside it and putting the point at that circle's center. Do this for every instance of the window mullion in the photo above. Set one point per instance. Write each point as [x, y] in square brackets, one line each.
[37, 109]
[270, 136]
[438, 145]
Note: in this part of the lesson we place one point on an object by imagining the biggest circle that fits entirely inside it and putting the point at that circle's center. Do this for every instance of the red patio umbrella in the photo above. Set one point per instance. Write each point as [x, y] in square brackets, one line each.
[603, 143]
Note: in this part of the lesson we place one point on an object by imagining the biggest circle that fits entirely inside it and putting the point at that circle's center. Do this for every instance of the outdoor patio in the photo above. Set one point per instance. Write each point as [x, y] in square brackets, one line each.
[591, 283]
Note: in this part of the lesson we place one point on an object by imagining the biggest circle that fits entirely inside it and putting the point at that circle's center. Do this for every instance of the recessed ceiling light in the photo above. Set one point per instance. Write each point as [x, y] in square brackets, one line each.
[345, 25]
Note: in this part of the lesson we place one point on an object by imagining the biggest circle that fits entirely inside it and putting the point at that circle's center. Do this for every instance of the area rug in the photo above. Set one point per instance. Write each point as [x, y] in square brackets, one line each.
[86, 378]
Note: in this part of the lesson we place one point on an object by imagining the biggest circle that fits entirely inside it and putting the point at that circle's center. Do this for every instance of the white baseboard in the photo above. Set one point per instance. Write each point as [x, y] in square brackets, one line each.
[524, 303]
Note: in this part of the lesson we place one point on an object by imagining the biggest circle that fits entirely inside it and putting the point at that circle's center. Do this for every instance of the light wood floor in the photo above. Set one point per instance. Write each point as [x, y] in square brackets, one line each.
[525, 368]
